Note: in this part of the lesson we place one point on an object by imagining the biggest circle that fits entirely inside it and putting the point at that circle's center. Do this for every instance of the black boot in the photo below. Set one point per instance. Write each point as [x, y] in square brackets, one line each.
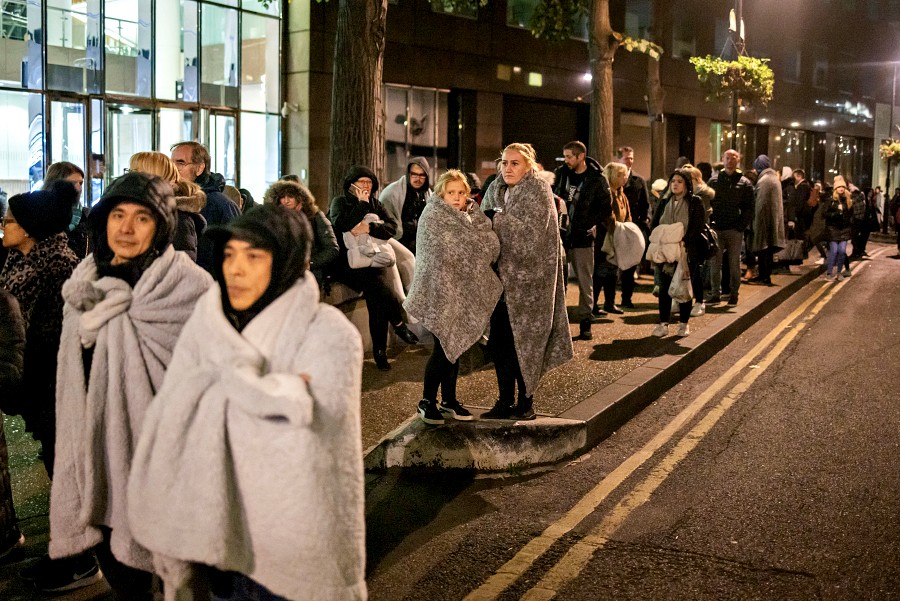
[404, 334]
[381, 360]
[524, 411]
[584, 330]
[500, 410]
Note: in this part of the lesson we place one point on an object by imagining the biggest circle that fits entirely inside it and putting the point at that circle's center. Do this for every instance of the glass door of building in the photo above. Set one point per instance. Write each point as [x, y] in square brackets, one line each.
[223, 144]
[129, 129]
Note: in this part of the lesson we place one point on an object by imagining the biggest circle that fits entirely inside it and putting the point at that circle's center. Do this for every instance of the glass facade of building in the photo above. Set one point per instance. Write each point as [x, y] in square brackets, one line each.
[92, 82]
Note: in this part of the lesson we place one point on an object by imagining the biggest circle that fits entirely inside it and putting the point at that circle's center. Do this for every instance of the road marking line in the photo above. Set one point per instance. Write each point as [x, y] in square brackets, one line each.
[525, 557]
[577, 558]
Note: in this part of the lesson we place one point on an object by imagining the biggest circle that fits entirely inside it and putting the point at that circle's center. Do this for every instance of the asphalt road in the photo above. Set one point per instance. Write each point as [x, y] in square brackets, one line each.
[778, 480]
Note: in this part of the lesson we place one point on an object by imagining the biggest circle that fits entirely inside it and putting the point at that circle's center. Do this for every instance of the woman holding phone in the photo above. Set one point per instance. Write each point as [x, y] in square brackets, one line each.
[348, 214]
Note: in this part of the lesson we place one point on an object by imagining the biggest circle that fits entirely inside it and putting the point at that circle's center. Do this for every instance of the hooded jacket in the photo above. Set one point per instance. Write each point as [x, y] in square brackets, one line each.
[191, 223]
[219, 210]
[584, 211]
[404, 204]
[347, 211]
[768, 219]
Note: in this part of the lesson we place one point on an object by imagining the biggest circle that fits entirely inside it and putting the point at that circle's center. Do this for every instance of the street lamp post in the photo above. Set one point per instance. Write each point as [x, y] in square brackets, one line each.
[737, 30]
[887, 181]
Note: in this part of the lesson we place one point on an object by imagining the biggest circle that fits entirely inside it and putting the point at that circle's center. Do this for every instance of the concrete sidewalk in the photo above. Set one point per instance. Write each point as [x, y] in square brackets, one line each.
[610, 379]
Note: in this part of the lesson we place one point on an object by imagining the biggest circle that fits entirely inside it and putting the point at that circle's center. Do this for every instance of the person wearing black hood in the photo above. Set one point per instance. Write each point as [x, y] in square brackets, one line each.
[404, 200]
[346, 214]
[193, 163]
[79, 239]
[125, 306]
[247, 451]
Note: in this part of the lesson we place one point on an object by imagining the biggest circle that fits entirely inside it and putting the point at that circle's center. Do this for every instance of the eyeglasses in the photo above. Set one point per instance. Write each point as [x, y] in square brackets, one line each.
[413, 174]
[6, 221]
[182, 163]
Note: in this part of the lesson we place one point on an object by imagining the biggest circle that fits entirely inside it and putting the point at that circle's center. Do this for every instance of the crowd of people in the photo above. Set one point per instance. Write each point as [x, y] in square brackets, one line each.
[196, 445]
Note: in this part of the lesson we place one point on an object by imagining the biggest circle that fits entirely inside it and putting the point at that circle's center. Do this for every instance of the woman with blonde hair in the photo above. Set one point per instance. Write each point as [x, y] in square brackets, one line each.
[454, 289]
[529, 326]
[838, 210]
[189, 199]
[618, 210]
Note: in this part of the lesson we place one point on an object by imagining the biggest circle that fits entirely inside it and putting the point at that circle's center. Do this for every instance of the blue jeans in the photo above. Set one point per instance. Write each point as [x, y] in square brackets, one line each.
[837, 250]
[241, 588]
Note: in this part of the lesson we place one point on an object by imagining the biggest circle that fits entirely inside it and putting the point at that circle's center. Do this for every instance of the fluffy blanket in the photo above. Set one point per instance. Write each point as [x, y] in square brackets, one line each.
[768, 220]
[454, 289]
[665, 243]
[132, 334]
[244, 466]
[624, 245]
[531, 271]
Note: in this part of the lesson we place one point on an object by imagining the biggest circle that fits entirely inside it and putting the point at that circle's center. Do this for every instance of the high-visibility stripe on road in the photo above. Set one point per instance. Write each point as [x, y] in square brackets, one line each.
[526, 557]
[577, 558]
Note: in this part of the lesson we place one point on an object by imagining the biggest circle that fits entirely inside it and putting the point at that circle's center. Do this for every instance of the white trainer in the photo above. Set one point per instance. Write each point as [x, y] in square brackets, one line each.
[698, 309]
[661, 330]
[683, 329]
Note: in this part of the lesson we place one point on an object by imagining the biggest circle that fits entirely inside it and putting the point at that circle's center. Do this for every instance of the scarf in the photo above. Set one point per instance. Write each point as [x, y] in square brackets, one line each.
[531, 271]
[243, 466]
[454, 289]
[132, 332]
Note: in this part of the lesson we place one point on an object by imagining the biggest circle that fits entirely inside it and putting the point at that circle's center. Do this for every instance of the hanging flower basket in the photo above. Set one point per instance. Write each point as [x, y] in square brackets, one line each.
[751, 78]
[890, 150]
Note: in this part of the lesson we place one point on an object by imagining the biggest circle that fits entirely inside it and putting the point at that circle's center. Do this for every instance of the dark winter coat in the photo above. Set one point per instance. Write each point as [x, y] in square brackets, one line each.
[12, 347]
[733, 205]
[638, 200]
[838, 218]
[584, 212]
[346, 212]
[325, 248]
[36, 280]
[191, 224]
[80, 237]
[219, 210]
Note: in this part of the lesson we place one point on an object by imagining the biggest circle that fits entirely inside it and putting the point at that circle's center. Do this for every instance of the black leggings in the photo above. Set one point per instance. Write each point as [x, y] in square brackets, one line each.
[506, 362]
[440, 373]
[383, 306]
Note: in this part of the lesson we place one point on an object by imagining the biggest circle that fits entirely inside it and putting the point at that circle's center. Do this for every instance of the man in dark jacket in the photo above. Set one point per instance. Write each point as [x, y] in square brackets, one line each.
[802, 211]
[732, 213]
[579, 183]
[639, 203]
[193, 163]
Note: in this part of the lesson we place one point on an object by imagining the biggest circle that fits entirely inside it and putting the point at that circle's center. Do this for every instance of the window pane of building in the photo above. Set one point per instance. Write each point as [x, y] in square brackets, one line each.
[21, 141]
[222, 145]
[128, 41]
[74, 54]
[175, 125]
[176, 50]
[792, 148]
[720, 141]
[416, 126]
[449, 7]
[518, 12]
[259, 63]
[129, 130]
[97, 161]
[637, 19]
[256, 6]
[67, 120]
[684, 40]
[20, 50]
[219, 56]
[259, 170]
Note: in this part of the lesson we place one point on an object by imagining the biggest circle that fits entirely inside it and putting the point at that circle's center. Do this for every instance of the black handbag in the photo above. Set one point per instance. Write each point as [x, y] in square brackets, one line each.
[710, 241]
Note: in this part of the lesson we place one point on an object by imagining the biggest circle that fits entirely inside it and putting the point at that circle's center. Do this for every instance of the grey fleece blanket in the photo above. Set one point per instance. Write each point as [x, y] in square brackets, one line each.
[531, 270]
[244, 466]
[132, 333]
[454, 289]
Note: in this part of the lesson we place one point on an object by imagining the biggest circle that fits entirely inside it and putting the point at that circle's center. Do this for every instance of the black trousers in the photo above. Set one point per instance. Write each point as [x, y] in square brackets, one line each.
[383, 306]
[765, 259]
[627, 279]
[128, 584]
[503, 351]
[440, 373]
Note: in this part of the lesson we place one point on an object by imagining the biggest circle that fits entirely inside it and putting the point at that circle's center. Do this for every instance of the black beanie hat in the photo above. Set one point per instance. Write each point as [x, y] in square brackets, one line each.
[285, 233]
[44, 213]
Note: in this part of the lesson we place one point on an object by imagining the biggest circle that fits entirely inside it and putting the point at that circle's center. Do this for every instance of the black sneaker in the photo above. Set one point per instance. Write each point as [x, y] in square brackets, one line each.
[429, 413]
[598, 312]
[524, 410]
[381, 360]
[455, 410]
[405, 335]
[612, 309]
[498, 411]
[66, 574]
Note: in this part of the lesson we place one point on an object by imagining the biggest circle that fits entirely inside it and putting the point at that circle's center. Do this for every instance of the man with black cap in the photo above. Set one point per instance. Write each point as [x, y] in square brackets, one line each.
[244, 453]
[125, 306]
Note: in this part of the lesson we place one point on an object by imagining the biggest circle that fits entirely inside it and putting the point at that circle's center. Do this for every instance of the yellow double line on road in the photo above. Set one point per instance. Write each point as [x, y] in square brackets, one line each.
[574, 561]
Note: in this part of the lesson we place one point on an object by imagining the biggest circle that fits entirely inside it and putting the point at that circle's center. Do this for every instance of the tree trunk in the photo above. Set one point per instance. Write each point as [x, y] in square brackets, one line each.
[357, 108]
[602, 49]
[655, 94]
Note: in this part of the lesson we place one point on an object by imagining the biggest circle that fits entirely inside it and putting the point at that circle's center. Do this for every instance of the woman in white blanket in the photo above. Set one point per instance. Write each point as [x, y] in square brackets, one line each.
[250, 460]
[676, 226]
[125, 306]
[454, 289]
